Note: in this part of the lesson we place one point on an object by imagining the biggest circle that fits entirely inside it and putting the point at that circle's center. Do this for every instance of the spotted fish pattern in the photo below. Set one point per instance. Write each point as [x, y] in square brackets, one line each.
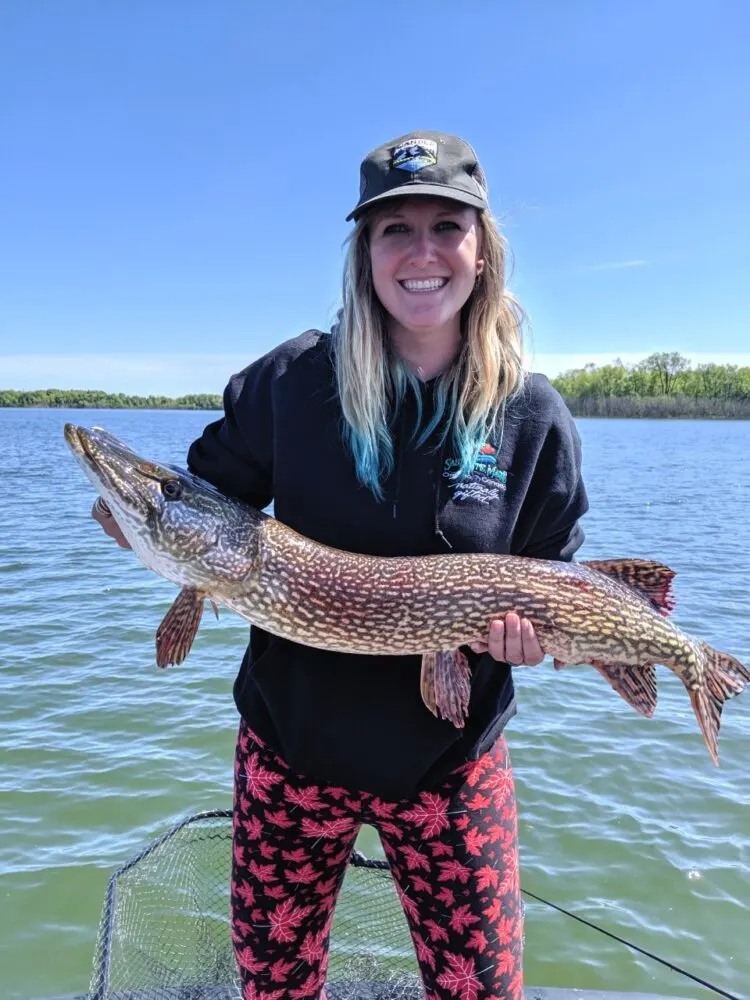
[611, 614]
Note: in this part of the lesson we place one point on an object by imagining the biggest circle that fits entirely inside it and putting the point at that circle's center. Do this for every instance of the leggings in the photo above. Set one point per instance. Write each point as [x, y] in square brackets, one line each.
[452, 851]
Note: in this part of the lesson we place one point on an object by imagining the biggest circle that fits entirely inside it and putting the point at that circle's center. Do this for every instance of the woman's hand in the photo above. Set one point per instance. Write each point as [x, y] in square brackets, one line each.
[511, 640]
[103, 516]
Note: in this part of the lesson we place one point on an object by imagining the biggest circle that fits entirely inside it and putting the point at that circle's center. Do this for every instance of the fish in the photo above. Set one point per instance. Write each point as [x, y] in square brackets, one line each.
[612, 614]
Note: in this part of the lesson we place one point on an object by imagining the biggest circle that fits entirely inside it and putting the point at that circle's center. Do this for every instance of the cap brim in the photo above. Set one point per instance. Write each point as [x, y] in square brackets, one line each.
[411, 190]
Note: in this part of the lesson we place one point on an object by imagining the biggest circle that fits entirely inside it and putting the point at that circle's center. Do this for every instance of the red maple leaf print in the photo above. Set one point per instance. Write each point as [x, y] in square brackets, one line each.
[476, 772]
[415, 858]
[267, 851]
[304, 875]
[241, 931]
[246, 893]
[308, 989]
[285, 918]
[500, 781]
[408, 904]
[478, 801]
[486, 876]
[462, 822]
[395, 831]
[263, 873]
[305, 798]
[507, 929]
[432, 813]
[436, 932]
[312, 948]
[474, 841]
[280, 970]
[299, 854]
[510, 880]
[506, 962]
[252, 827]
[501, 835]
[383, 810]
[251, 992]
[492, 912]
[323, 889]
[238, 852]
[441, 850]
[260, 779]
[276, 891]
[462, 917]
[424, 952]
[419, 884]
[446, 896]
[280, 817]
[477, 940]
[329, 828]
[450, 871]
[335, 791]
[515, 986]
[461, 978]
[246, 958]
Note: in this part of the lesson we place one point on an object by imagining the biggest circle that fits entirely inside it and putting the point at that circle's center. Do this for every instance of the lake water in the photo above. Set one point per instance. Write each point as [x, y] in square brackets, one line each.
[625, 821]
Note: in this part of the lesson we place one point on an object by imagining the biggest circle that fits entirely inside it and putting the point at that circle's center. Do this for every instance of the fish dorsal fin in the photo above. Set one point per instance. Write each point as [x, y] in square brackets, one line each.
[653, 580]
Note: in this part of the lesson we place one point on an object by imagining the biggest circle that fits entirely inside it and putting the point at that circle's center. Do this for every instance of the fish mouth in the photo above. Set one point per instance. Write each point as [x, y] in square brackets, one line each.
[122, 477]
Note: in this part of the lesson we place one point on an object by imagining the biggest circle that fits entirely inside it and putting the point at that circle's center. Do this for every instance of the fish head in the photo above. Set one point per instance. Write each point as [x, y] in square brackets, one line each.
[177, 524]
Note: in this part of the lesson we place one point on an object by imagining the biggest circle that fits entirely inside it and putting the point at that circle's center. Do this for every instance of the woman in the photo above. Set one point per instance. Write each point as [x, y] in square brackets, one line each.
[409, 430]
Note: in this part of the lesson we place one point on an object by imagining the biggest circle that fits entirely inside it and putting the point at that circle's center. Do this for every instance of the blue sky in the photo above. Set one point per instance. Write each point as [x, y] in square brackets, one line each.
[175, 175]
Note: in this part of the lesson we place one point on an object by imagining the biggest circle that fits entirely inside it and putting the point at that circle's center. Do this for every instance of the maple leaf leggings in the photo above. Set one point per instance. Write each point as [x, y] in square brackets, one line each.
[452, 851]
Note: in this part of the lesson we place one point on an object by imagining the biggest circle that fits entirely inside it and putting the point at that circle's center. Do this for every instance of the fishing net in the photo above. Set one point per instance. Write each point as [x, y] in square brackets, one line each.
[164, 929]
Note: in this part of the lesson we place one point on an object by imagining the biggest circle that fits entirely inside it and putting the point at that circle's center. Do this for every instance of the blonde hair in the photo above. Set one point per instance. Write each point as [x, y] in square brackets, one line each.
[372, 380]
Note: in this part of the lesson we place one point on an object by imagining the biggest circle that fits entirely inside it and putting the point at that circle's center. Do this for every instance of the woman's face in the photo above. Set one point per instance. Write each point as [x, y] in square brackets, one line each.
[425, 255]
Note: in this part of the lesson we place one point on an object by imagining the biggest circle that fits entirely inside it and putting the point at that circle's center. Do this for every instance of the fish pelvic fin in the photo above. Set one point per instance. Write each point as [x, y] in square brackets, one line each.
[179, 627]
[445, 683]
[652, 580]
[637, 685]
[724, 677]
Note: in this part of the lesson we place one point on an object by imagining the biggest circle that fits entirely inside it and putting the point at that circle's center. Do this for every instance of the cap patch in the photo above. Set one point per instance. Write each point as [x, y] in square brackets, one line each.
[414, 155]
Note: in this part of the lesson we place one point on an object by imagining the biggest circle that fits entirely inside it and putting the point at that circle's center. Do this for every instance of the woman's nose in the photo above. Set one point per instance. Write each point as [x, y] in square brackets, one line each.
[422, 247]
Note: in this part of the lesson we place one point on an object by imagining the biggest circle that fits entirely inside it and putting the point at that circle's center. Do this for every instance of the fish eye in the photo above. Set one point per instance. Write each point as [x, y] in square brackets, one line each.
[171, 489]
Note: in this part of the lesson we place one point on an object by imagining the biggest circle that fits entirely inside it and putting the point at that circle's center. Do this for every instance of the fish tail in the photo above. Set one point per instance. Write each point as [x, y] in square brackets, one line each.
[723, 678]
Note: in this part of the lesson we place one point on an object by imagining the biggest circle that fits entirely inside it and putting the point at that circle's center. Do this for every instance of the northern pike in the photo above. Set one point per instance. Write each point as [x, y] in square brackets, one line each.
[611, 614]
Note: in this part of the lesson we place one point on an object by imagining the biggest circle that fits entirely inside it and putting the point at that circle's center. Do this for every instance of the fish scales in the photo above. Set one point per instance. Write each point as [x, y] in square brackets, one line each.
[610, 614]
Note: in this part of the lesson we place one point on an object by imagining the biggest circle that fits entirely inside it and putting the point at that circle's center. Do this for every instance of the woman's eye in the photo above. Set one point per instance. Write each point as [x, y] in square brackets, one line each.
[446, 224]
[394, 227]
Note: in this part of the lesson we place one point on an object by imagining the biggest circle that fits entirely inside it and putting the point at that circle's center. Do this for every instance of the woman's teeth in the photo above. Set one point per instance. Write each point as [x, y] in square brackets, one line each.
[425, 285]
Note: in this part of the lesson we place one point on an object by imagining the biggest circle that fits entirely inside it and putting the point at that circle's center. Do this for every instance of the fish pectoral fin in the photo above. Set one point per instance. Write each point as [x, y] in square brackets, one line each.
[637, 685]
[652, 580]
[445, 684]
[179, 626]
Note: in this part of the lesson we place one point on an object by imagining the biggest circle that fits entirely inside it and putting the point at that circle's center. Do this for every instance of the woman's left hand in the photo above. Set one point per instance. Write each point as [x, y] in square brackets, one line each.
[511, 640]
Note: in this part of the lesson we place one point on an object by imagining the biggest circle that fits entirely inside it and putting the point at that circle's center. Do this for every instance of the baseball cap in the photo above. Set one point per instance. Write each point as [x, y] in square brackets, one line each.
[421, 163]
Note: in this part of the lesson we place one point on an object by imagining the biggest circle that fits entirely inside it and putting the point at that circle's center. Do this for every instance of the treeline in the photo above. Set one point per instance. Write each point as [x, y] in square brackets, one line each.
[662, 385]
[80, 399]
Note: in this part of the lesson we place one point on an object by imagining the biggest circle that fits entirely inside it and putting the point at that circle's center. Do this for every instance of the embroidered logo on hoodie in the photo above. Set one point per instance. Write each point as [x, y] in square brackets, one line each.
[484, 483]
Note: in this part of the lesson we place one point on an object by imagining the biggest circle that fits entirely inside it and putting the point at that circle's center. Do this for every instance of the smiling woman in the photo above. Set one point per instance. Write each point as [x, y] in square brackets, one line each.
[409, 430]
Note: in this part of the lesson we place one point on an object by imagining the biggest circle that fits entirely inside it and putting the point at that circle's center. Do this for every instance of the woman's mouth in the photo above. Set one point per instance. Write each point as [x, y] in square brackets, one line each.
[423, 284]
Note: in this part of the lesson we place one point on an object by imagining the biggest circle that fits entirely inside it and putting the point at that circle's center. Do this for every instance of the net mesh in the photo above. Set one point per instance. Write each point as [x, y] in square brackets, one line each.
[164, 929]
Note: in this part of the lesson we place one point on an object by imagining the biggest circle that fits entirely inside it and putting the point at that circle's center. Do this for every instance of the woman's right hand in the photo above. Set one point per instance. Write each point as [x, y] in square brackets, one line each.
[103, 516]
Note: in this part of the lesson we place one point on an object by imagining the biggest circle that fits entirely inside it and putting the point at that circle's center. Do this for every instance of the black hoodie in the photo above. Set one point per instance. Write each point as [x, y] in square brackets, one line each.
[359, 721]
